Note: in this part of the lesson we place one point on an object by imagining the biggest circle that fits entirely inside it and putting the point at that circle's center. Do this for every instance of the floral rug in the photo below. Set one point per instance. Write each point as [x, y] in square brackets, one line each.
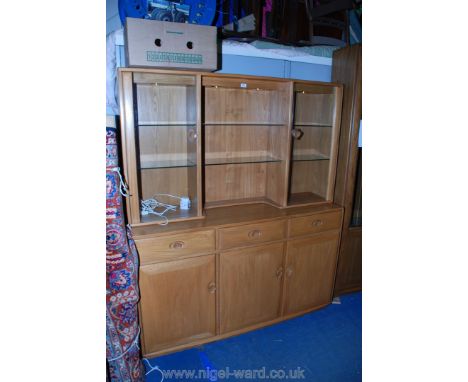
[122, 294]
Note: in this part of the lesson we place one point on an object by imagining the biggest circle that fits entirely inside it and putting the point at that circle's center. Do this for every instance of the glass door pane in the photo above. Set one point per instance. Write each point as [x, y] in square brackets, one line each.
[166, 141]
[313, 147]
[356, 218]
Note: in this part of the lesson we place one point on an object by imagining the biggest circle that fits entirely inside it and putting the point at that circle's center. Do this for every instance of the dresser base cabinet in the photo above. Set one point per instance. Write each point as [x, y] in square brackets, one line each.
[310, 271]
[250, 286]
[177, 302]
[261, 270]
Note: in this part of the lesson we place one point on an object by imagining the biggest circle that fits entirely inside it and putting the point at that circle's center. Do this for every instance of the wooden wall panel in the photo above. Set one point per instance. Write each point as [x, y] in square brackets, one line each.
[347, 69]
[163, 143]
[275, 190]
[165, 104]
[315, 141]
[310, 176]
[231, 141]
[173, 181]
[349, 271]
[229, 105]
[239, 181]
[314, 108]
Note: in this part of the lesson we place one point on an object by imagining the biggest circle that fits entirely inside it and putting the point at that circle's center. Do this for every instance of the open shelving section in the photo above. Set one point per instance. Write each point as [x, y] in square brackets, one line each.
[162, 145]
[222, 140]
[245, 140]
[314, 147]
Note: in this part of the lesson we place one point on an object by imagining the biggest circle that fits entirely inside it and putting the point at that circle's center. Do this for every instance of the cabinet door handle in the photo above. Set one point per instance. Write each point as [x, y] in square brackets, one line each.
[317, 223]
[212, 287]
[177, 245]
[289, 271]
[254, 234]
[279, 272]
[192, 136]
[297, 133]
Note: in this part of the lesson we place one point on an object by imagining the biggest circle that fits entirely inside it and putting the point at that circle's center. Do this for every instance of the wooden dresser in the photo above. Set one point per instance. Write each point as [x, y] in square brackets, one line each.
[256, 159]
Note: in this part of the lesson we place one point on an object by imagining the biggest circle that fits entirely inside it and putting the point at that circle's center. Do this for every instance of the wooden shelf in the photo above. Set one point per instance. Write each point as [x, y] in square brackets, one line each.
[234, 202]
[171, 216]
[304, 198]
[228, 215]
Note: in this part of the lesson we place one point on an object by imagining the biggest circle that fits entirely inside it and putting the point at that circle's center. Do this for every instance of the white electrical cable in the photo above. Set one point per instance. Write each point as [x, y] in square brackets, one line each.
[123, 186]
[148, 206]
[153, 368]
[184, 200]
[174, 196]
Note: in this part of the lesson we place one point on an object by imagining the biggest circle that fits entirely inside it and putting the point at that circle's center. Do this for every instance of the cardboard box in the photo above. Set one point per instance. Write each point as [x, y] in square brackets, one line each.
[162, 44]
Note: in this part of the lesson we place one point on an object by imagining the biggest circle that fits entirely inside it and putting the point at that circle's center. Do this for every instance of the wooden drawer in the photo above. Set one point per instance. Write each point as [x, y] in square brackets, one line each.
[176, 246]
[251, 234]
[315, 223]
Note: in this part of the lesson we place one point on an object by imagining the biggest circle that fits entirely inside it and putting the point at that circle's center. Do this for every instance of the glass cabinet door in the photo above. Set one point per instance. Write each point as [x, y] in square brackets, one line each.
[166, 132]
[314, 143]
[356, 217]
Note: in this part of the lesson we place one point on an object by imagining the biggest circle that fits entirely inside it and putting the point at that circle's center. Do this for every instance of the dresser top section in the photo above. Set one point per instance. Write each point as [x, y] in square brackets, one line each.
[232, 215]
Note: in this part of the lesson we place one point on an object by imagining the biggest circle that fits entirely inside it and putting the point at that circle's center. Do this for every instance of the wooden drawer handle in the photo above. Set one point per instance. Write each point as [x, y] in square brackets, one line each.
[212, 287]
[254, 234]
[289, 271]
[279, 272]
[177, 245]
[317, 223]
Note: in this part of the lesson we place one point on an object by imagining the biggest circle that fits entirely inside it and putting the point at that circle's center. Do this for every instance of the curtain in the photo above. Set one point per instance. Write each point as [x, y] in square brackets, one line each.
[122, 294]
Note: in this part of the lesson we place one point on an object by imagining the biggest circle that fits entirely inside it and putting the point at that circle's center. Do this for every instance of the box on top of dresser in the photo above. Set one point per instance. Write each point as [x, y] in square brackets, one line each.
[162, 44]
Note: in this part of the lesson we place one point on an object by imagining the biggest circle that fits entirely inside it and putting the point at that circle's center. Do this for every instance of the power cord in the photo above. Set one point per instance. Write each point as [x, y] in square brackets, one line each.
[149, 206]
[153, 368]
[123, 188]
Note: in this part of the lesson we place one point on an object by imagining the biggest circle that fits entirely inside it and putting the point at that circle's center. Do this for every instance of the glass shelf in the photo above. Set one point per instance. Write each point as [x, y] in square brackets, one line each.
[243, 124]
[167, 164]
[166, 123]
[309, 157]
[312, 124]
[241, 160]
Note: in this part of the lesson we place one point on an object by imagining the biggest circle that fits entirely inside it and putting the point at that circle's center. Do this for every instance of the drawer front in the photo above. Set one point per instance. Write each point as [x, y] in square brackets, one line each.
[177, 246]
[251, 234]
[315, 223]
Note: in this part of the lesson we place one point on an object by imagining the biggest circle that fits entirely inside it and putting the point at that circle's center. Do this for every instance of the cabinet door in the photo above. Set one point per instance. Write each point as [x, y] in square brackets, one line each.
[250, 286]
[177, 302]
[162, 151]
[310, 271]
